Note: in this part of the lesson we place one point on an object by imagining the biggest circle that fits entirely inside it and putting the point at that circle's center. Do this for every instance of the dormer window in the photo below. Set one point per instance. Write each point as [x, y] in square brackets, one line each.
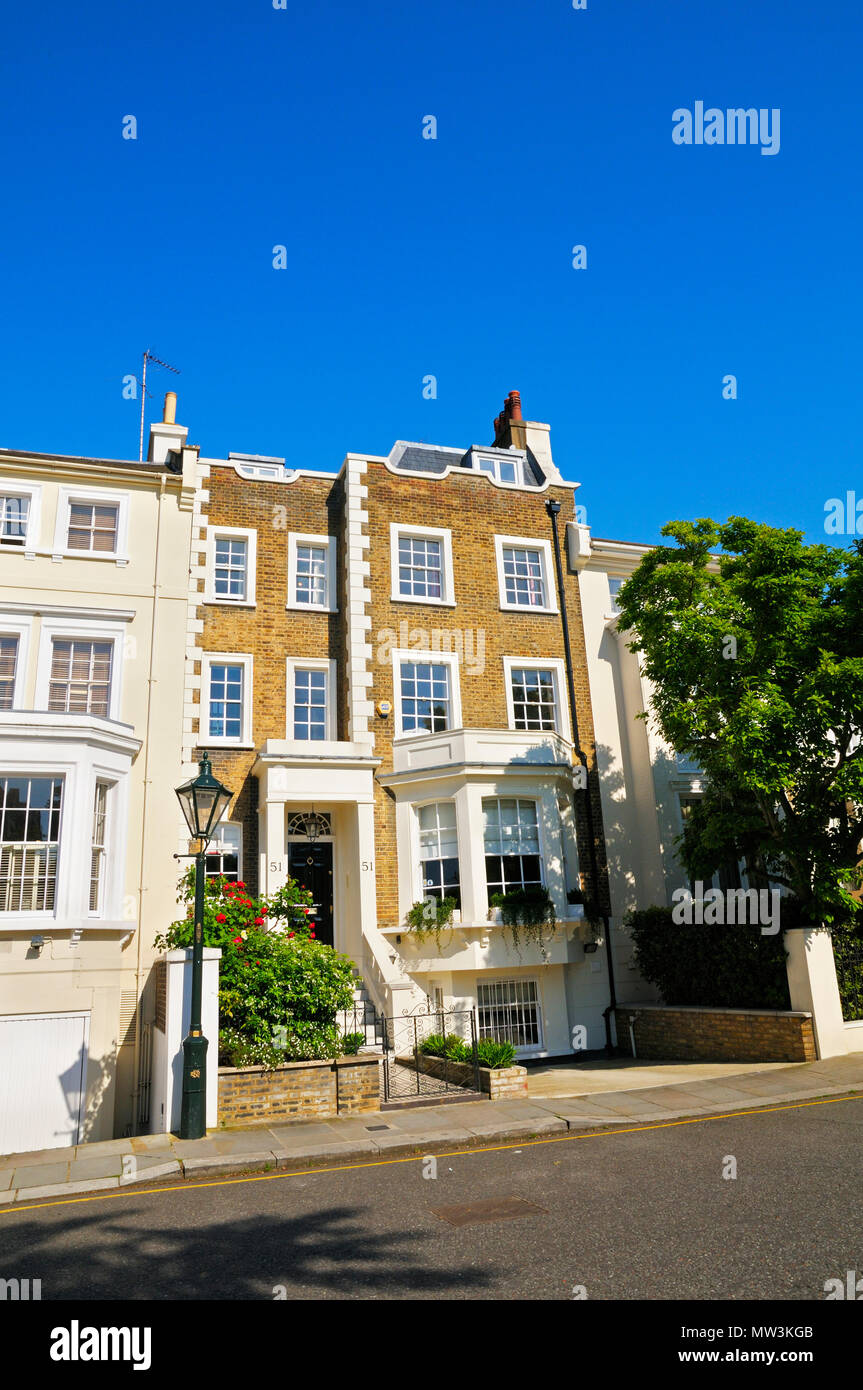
[504, 468]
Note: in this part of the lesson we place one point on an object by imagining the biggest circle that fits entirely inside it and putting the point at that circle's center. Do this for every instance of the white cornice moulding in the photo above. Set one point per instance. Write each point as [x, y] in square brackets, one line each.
[68, 610]
[42, 725]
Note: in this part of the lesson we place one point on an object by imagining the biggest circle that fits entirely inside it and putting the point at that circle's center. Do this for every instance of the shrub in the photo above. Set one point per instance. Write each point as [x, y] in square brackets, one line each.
[713, 966]
[351, 1043]
[452, 1047]
[848, 956]
[238, 1051]
[495, 1054]
[279, 988]
[490, 1052]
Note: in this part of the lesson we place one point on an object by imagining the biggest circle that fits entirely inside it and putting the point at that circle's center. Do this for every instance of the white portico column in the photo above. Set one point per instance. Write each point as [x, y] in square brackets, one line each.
[367, 873]
[274, 845]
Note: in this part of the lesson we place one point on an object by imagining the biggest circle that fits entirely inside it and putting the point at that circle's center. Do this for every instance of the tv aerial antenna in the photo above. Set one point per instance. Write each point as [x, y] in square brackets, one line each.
[157, 362]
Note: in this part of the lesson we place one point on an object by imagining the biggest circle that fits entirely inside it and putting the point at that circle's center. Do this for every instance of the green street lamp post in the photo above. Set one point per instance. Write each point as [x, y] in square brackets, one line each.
[204, 801]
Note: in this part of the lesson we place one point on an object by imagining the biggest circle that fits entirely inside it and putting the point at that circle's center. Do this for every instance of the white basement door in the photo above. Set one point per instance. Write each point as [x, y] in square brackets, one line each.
[43, 1068]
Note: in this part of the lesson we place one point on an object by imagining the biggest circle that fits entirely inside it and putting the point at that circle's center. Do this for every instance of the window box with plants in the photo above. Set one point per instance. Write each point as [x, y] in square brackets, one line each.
[528, 914]
[431, 917]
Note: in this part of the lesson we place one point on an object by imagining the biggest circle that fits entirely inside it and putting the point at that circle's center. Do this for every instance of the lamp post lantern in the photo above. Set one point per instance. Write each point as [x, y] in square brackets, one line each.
[204, 801]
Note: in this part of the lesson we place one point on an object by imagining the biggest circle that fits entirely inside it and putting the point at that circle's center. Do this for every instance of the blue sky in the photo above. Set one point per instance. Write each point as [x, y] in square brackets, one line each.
[452, 257]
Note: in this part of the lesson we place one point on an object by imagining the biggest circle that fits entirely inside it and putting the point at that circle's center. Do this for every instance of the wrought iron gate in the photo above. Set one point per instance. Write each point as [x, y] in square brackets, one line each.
[410, 1074]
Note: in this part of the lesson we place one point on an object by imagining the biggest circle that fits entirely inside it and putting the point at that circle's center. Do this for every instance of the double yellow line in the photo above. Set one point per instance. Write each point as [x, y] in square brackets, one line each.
[14, 1207]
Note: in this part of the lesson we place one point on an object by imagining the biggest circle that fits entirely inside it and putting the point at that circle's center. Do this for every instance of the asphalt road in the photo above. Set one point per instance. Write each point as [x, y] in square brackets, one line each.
[643, 1215]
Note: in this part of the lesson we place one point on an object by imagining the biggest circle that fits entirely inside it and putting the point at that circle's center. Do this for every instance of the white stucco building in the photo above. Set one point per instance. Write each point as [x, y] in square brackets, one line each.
[93, 611]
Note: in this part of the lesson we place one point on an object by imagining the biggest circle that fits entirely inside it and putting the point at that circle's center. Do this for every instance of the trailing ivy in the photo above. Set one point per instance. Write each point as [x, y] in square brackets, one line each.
[526, 913]
[429, 918]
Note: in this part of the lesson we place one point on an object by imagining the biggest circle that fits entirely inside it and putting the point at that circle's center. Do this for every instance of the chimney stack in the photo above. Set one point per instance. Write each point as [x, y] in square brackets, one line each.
[512, 431]
[166, 436]
[510, 415]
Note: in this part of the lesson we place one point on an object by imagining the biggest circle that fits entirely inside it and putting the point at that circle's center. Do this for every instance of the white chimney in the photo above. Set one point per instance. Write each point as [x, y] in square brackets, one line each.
[166, 434]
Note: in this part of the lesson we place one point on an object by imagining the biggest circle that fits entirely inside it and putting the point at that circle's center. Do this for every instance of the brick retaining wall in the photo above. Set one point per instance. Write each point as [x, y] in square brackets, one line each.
[295, 1090]
[686, 1033]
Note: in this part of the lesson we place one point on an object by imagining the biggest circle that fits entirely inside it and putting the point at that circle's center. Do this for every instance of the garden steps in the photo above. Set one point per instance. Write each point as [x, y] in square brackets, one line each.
[363, 1018]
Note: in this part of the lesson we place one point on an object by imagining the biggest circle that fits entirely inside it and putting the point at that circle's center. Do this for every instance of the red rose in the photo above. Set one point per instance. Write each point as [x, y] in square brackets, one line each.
[312, 935]
[290, 933]
[220, 917]
[240, 883]
[259, 921]
[237, 940]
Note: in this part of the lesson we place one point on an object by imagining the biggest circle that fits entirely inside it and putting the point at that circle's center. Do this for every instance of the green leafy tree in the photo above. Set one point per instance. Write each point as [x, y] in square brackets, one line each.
[755, 656]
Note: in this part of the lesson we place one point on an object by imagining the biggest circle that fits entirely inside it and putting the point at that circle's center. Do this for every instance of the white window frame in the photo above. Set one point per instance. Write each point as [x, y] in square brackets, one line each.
[91, 496]
[228, 839]
[416, 846]
[523, 1049]
[527, 543]
[85, 631]
[303, 663]
[562, 720]
[518, 460]
[411, 654]
[107, 845]
[22, 628]
[42, 913]
[612, 593]
[250, 536]
[209, 659]
[400, 529]
[11, 487]
[295, 539]
[536, 799]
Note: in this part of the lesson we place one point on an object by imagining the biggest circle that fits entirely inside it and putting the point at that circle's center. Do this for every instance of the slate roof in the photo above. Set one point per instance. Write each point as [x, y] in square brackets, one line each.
[433, 458]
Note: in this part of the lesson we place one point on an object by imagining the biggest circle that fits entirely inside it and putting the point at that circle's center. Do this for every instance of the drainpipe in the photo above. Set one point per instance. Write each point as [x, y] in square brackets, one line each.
[553, 508]
[142, 886]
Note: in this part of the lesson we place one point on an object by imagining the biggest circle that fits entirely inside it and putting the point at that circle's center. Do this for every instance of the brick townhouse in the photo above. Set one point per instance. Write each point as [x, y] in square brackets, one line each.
[376, 662]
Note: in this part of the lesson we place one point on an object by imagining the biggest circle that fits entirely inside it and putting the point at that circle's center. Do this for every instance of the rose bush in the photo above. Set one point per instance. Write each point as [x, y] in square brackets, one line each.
[279, 988]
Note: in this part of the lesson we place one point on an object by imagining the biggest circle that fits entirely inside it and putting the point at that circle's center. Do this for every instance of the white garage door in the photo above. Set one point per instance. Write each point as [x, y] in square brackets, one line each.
[43, 1066]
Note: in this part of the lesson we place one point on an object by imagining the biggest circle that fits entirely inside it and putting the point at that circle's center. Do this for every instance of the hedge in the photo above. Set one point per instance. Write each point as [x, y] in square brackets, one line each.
[712, 966]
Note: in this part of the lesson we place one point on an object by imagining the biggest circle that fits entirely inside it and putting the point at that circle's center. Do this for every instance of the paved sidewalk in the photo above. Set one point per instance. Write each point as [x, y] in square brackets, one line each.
[59, 1173]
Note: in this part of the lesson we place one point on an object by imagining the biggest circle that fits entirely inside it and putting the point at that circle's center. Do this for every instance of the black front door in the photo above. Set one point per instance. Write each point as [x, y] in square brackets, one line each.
[312, 867]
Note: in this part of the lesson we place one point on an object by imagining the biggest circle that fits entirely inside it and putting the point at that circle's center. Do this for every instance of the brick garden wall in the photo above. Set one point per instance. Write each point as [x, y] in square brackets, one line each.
[716, 1035]
[298, 1090]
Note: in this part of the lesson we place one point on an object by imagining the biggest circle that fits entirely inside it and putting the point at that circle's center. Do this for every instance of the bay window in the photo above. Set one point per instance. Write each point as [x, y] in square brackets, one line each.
[29, 842]
[438, 839]
[511, 844]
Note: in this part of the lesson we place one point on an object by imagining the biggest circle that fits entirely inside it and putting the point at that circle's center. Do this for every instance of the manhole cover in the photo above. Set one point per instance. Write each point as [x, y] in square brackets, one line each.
[493, 1209]
[378, 1126]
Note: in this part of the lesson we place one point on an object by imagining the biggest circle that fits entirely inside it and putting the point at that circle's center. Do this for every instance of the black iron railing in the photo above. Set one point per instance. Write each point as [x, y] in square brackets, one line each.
[410, 1074]
[848, 955]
